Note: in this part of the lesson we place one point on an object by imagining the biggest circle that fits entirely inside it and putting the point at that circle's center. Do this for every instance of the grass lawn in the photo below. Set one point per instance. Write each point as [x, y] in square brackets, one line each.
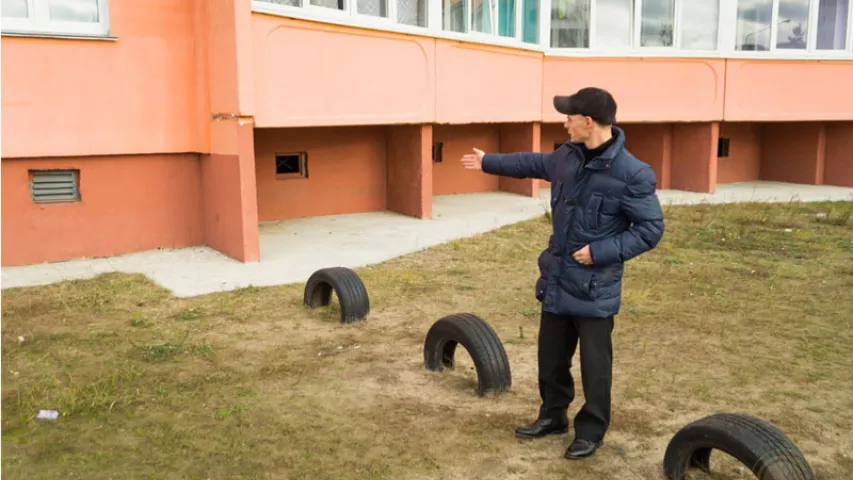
[741, 308]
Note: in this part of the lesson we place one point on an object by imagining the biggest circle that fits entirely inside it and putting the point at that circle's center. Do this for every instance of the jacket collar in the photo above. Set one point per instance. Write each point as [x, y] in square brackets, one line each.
[604, 160]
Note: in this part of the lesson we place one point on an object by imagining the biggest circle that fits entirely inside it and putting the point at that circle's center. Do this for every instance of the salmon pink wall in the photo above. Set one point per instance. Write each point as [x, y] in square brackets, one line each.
[409, 177]
[793, 152]
[346, 172]
[788, 90]
[646, 90]
[694, 157]
[839, 154]
[313, 74]
[652, 144]
[520, 137]
[476, 83]
[743, 163]
[139, 94]
[450, 177]
[128, 204]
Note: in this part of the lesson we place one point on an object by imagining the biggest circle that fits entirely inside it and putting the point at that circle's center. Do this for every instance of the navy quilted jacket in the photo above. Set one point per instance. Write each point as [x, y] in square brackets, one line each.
[610, 205]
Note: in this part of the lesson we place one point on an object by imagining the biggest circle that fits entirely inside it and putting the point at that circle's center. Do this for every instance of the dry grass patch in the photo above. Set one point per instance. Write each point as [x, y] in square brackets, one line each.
[741, 308]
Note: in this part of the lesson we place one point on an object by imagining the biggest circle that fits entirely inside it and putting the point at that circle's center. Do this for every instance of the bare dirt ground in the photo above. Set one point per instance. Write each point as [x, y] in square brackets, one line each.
[741, 308]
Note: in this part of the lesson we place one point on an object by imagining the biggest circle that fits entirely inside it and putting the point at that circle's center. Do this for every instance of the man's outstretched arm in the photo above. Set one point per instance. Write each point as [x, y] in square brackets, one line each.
[515, 165]
[643, 210]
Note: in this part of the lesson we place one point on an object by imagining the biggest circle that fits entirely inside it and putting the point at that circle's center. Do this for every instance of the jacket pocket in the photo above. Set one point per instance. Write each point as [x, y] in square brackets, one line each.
[577, 282]
[593, 211]
[611, 206]
[593, 286]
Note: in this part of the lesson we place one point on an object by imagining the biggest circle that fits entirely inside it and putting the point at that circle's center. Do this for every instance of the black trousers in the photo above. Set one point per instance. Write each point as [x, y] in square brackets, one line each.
[558, 340]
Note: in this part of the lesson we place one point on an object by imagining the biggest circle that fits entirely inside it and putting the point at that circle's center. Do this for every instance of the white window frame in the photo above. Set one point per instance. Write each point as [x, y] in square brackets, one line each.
[676, 29]
[350, 17]
[726, 30]
[352, 6]
[811, 52]
[39, 23]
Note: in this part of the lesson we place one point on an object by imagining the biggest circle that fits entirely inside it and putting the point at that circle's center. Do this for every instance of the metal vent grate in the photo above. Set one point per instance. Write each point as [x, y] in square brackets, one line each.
[54, 185]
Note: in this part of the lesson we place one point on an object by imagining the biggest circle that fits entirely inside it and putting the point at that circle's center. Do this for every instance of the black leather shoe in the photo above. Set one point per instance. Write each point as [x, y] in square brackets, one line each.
[581, 449]
[541, 428]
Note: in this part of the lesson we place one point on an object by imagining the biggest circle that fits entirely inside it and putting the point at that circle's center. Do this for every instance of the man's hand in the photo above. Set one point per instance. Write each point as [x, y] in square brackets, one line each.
[583, 256]
[473, 161]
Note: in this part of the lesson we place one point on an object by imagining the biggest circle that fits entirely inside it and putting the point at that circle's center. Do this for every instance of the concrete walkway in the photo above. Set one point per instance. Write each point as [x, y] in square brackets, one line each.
[292, 250]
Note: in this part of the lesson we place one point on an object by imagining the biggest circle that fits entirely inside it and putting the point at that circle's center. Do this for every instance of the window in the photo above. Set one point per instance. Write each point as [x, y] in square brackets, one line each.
[628, 24]
[723, 147]
[613, 23]
[657, 23]
[530, 21]
[698, 24]
[437, 152]
[832, 24]
[412, 12]
[50, 186]
[376, 8]
[493, 17]
[404, 12]
[791, 28]
[570, 23]
[57, 17]
[792, 25]
[291, 165]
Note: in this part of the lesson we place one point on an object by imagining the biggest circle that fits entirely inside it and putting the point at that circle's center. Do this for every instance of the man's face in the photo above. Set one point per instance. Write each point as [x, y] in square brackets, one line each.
[579, 128]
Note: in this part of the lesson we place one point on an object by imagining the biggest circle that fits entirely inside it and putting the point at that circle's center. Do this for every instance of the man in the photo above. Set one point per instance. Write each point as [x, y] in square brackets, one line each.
[604, 213]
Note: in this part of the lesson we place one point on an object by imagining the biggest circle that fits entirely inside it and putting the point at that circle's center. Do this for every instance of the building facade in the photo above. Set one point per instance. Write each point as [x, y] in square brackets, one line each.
[129, 125]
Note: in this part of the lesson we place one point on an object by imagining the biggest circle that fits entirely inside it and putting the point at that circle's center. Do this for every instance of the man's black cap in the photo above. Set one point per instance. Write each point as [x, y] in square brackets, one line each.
[592, 102]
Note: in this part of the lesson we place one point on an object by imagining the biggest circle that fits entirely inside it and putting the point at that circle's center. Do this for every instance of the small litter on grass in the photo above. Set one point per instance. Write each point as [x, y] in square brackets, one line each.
[47, 415]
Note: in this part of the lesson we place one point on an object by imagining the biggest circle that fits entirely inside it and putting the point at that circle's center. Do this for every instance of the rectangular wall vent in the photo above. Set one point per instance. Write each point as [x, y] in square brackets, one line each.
[54, 185]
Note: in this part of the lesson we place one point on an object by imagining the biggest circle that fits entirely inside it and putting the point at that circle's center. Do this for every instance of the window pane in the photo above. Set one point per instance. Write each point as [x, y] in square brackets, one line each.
[832, 24]
[506, 18]
[481, 15]
[74, 10]
[793, 24]
[412, 12]
[613, 23]
[753, 24]
[15, 8]
[292, 3]
[657, 23]
[375, 8]
[699, 24]
[336, 4]
[570, 23]
[454, 15]
[530, 21]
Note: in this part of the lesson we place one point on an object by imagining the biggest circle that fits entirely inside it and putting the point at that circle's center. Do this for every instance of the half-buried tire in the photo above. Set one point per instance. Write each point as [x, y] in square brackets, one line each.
[760, 446]
[482, 343]
[352, 295]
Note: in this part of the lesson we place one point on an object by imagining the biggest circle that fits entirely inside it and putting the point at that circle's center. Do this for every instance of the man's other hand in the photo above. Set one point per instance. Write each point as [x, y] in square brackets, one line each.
[583, 256]
[473, 161]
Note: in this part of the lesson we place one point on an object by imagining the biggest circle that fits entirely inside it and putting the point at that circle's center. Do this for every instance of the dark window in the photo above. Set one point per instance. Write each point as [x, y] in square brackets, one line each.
[437, 149]
[723, 147]
[291, 165]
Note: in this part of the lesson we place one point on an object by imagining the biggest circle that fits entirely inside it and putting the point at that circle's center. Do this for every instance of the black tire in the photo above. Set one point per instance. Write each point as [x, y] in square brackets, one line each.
[352, 295]
[760, 446]
[482, 343]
